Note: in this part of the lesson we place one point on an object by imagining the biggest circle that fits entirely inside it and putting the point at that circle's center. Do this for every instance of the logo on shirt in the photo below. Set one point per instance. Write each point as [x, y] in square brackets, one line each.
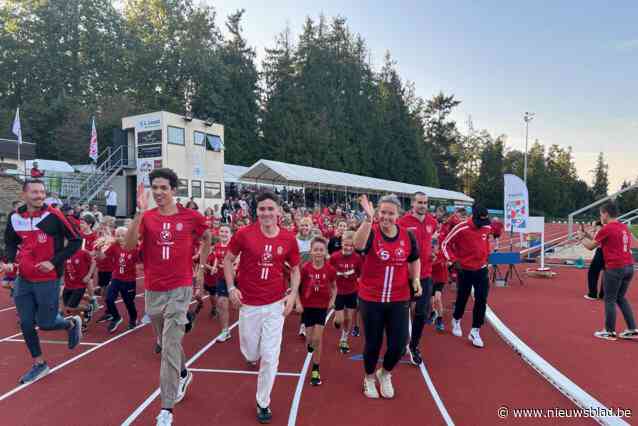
[429, 229]
[280, 250]
[383, 254]
[77, 261]
[266, 256]
[399, 253]
[166, 235]
[42, 238]
[179, 226]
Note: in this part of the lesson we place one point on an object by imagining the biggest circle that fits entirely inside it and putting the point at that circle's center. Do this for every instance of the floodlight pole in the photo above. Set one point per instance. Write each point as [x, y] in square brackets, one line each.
[527, 117]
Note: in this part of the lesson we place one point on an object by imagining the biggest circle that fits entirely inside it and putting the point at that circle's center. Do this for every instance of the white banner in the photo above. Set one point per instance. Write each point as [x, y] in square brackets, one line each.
[516, 204]
[144, 167]
[148, 123]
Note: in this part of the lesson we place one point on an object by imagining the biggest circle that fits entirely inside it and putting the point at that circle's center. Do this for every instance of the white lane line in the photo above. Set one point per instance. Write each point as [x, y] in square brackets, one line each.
[435, 395]
[77, 357]
[214, 370]
[562, 383]
[57, 342]
[294, 407]
[135, 414]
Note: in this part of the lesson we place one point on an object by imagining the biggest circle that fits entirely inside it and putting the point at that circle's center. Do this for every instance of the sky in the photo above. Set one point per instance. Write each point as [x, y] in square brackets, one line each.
[573, 63]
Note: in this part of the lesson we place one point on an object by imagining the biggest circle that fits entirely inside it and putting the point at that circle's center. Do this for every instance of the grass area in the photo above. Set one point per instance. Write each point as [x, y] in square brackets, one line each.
[634, 229]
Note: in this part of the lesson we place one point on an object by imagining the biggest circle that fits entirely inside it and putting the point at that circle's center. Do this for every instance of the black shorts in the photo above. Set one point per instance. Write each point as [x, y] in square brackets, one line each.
[314, 316]
[71, 297]
[348, 301]
[222, 288]
[211, 289]
[437, 287]
[103, 278]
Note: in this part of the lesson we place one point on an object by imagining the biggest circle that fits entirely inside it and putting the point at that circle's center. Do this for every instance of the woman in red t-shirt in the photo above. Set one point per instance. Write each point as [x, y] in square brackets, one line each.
[391, 264]
[317, 293]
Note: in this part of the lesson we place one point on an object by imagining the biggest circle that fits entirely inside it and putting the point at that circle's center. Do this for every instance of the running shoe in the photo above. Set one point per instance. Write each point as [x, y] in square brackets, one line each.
[439, 324]
[315, 378]
[385, 383]
[225, 335]
[184, 382]
[629, 334]
[132, 325]
[146, 319]
[415, 356]
[75, 333]
[456, 328]
[104, 318]
[588, 297]
[115, 324]
[36, 372]
[344, 347]
[475, 338]
[310, 349]
[607, 335]
[165, 418]
[264, 415]
[88, 313]
[302, 330]
[370, 387]
[432, 317]
[355, 331]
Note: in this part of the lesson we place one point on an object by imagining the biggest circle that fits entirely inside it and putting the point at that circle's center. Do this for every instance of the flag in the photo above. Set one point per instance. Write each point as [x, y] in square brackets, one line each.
[17, 129]
[516, 204]
[93, 142]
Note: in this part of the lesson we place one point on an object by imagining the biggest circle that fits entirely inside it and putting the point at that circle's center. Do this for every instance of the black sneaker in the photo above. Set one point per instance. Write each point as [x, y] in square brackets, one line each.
[115, 324]
[132, 325]
[75, 333]
[355, 331]
[415, 356]
[264, 415]
[88, 313]
[213, 312]
[104, 318]
[310, 349]
[315, 378]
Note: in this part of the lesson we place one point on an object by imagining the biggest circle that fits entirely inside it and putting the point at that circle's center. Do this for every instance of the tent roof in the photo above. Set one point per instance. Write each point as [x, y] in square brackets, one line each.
[233, 172]
[275, 172]
[51, 165]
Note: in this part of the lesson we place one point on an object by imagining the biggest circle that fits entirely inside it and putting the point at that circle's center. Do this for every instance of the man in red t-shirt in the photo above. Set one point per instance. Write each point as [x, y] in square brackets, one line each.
[264, 248]
[423, 225]
[615, 240]
[166, 235]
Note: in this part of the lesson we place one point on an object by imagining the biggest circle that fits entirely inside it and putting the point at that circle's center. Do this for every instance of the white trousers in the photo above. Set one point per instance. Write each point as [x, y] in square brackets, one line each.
[260, 334]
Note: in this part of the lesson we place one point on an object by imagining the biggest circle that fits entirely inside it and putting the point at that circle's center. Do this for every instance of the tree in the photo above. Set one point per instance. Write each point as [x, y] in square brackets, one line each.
[601, 178]
[489, 185]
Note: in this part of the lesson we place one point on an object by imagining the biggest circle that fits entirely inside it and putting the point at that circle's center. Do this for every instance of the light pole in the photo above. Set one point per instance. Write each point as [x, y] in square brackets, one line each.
[527, 117]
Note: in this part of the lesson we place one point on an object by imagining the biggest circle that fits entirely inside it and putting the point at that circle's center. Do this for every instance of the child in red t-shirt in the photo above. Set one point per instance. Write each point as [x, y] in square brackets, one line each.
[317, 294]
[215, 283]
[440, 277]
[78, 272]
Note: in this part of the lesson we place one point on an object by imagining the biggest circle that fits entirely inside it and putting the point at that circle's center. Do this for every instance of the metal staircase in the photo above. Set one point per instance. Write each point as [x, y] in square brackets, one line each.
[109, 163]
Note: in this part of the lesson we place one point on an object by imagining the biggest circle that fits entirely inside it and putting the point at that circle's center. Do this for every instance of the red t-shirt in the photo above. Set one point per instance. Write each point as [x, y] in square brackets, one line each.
[615, 240]
[261, 264]
[439, 269]
[75, 269]
[348, 269]
[89, 241]
[124, 262]
[497, 228]
[316, 285]
[210, 279]
[423, 232]
[167, 247]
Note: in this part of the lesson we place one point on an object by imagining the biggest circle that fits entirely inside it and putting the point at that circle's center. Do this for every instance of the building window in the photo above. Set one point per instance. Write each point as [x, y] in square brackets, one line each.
[182, 187]
[196, 188]
[214, 143]
[199, 138]
[176, 135]
[212, 190]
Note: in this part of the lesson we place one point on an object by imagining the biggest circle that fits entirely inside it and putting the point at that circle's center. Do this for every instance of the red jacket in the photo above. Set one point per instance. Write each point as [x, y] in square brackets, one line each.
[468, 245]
[41, 236]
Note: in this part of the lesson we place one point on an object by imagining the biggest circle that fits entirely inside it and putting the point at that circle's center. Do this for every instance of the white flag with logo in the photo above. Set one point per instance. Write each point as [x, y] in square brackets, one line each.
[93, 142]
[17, 129]
[516, 204]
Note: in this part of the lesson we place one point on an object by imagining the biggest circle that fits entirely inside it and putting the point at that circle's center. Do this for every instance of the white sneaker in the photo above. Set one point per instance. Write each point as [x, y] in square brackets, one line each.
[370, 387]
[302, 330]
[146, 319]
[456, 328]
[225, 335]
[165, 418]
[385, 383]
[184, 382]
[475, 338]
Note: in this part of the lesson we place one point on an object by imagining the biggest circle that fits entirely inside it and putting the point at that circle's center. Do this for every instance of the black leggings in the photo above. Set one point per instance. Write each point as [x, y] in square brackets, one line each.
[378, 317]
[422, 307]
[127, 291]
[595, 267]
[468, 279]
